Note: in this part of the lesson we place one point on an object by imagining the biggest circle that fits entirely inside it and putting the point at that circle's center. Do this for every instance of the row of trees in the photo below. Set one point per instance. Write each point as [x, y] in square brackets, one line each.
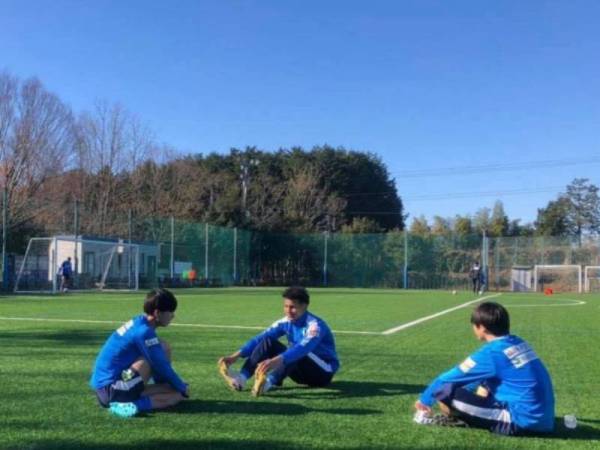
[576, 212]
[85, 172]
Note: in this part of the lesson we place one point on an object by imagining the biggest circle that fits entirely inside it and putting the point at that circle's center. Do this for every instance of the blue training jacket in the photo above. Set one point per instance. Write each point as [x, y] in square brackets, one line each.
[514, 374]
[133, 340]
[66, 268]
[308, 335]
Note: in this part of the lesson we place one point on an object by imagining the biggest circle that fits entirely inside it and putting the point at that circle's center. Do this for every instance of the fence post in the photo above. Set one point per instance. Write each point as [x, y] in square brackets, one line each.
[484, 259]
[76, 233]
[497, 261]
[172, 248]
[405, 258]
[54, 265]
[4, 235]
[129, 262]
[235, 255]
[206, 253]
[326, 237]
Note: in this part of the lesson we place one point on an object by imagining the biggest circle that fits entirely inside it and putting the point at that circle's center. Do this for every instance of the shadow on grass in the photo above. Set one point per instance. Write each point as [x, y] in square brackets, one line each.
[583, 432]
[211, 444]
[258, 407]
[64, 337]
[222, 444]
[584, 419]
[351, 389]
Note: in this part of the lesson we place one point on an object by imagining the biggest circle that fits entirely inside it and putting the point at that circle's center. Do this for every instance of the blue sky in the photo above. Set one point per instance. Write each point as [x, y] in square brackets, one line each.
[426, 85]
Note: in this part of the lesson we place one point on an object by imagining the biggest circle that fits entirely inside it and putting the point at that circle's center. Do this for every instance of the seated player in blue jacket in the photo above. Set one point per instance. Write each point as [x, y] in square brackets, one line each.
[310, 358]
[503, 387]
[132, 355]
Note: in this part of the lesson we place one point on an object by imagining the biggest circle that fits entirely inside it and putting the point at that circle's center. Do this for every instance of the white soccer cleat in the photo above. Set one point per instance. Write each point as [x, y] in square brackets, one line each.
[424, 418]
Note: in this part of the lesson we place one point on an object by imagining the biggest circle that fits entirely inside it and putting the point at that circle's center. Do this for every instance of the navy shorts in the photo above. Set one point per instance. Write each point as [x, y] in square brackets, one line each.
[477, 411]
[121, 391]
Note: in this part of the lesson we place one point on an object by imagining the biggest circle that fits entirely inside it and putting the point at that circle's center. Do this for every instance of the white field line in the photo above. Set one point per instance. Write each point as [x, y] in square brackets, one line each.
[118, 322]
[192, 325]
[241, 327]
[433, 316]
[572, 302]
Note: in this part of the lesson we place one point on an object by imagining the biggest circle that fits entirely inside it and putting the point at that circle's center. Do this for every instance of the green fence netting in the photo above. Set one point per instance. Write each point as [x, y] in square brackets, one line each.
[180, 253]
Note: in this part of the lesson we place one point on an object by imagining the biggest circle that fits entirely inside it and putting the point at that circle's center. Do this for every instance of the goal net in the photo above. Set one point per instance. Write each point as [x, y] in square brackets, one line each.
[559, 278]
[96, 264]
[592, 279]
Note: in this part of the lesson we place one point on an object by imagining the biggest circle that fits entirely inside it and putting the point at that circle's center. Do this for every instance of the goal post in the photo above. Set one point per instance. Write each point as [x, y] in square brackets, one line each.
[559, 277]
[96, 263]
[39, 261]
[591, 279]
[119, 266]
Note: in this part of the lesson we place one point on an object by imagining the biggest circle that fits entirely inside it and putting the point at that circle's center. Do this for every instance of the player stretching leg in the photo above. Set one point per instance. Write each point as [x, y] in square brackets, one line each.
[310, 359]
[133, 354]
[503, 387]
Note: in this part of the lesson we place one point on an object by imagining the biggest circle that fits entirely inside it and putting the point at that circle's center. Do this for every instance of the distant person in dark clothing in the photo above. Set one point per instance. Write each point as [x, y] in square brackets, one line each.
[475, 275]
[66, 272]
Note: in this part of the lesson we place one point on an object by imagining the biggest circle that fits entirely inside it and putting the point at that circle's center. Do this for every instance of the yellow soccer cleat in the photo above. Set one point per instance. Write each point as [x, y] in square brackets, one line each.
[260, 382]
[233, 380]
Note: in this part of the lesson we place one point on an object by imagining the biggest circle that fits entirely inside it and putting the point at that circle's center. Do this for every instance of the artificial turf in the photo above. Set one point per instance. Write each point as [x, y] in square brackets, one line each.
[45, 366]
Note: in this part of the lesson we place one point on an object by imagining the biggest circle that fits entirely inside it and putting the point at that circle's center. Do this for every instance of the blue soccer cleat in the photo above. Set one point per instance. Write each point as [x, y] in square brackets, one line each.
[123, 410]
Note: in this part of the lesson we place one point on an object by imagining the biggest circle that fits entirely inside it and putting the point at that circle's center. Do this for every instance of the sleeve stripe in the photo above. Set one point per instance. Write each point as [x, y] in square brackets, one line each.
[322, 364]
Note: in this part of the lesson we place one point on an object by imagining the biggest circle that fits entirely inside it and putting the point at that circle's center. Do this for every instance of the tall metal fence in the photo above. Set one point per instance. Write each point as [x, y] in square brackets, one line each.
[178, 253]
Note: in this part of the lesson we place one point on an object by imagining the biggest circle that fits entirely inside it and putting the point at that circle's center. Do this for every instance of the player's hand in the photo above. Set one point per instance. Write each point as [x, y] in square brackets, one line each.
[270, 364]
[229, 360]
[186, 393]
[421, 407]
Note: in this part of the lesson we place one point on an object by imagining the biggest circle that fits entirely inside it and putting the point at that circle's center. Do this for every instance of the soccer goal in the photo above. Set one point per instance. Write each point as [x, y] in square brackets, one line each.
[96, 264]
[592, 279]
[560, 278]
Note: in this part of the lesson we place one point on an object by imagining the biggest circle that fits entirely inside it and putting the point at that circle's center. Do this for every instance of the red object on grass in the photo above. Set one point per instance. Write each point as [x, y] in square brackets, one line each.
[548, 291]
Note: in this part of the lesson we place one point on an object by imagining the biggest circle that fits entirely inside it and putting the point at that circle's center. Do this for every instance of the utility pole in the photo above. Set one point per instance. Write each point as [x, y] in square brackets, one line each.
[245, 167]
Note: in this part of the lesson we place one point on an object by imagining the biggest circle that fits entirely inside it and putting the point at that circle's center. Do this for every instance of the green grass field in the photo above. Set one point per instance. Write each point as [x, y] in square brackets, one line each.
[45, 367]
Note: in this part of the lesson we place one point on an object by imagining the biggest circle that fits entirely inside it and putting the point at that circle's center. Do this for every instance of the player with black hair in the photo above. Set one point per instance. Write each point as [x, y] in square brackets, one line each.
[310, 358]
[132, 355]
[503, 387]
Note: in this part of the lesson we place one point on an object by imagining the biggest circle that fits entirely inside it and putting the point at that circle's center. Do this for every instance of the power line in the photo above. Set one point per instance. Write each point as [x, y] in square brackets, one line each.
[449, 196]
[460, 195]
[478, 169]
[507, 167]
[445, 195]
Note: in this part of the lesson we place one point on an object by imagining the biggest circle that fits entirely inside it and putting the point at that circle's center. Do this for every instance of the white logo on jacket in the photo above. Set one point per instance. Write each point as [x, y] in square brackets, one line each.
[312, 330]
[467, 365]
[151, 342]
